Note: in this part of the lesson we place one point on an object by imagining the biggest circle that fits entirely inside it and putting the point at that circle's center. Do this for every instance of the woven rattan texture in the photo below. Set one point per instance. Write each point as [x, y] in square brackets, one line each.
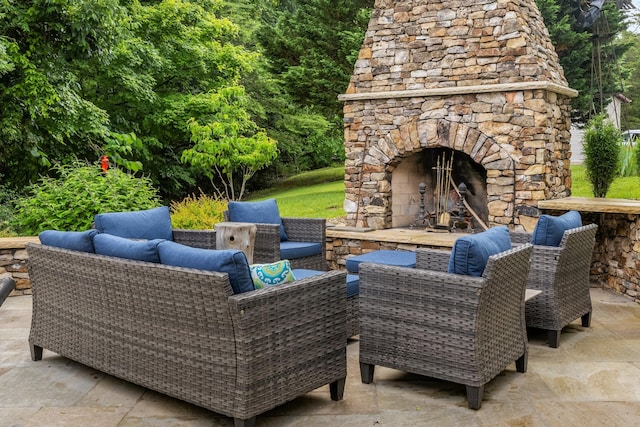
[182, 332]
[204, 239]
[562, 274]
[457, 328]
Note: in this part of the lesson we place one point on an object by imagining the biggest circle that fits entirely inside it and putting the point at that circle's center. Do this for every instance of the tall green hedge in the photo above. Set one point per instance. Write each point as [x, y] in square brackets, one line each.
[601, 147]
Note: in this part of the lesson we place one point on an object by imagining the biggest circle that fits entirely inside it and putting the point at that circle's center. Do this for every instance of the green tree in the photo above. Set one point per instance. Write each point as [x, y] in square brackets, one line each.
[630, 65]
[601, 147]
[576, 46]
[229, 144]
[82, 78]
[313, 46]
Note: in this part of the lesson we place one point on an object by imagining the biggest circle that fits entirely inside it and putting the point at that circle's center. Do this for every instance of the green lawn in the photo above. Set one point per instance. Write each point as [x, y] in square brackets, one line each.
[621, 188]
[320, 194]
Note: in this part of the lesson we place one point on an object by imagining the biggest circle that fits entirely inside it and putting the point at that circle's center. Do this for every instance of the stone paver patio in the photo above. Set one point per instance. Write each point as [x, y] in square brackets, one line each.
[592, 379]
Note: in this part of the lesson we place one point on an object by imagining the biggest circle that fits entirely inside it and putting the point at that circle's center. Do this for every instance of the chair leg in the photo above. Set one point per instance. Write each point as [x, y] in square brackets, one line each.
[251, 422]
[474, 396]
[521, 362]
[554, 338]
[586, 320]
[36, 352]
[336, 389]
[366, 372]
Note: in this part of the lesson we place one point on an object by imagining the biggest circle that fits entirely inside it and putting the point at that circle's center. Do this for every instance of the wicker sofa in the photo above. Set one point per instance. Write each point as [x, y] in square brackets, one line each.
[452, 327]
[183, 332]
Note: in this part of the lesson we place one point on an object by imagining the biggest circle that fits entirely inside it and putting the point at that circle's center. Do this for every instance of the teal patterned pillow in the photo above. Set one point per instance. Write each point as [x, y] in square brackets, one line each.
[271, 274]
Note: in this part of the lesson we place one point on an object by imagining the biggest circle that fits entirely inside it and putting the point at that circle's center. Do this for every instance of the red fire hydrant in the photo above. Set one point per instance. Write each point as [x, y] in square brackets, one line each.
[104, 163]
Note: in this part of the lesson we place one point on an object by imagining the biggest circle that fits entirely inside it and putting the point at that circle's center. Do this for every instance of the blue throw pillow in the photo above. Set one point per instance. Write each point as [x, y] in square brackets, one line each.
[230, 261]
[146, 224]
[470, 253]
[550, 229]
[140, 250]
[74, 240]
[263, 212]
[264, 275]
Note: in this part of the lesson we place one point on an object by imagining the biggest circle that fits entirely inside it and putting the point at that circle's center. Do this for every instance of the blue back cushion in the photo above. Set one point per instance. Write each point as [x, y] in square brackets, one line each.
[263, 212]
[146, 224]
[140, 250]
[471, 252]
[74, 240]
[550, 229]
[230, 261]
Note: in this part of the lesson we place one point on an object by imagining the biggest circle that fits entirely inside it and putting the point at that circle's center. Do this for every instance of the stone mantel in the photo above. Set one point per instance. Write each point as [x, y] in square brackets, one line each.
[462, 90]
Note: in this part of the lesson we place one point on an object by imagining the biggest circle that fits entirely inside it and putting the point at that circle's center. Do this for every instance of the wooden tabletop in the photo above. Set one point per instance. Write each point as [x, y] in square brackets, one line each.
[592, 204]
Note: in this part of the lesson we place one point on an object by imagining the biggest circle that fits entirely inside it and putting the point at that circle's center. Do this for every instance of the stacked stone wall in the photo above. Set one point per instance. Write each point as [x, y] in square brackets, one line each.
[13, 263]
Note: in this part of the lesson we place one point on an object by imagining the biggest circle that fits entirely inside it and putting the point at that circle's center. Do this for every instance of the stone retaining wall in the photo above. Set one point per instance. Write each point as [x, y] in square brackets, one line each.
[13, 263]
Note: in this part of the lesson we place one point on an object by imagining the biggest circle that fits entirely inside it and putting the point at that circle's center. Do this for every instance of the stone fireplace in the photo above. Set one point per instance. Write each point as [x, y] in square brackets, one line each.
[478, 80]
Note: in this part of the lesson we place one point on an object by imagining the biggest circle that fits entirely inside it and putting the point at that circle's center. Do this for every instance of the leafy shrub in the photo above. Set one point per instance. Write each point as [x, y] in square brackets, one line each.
[8, 198]
[69, 201]
[629, 160]
[197, 213]
[601, 147]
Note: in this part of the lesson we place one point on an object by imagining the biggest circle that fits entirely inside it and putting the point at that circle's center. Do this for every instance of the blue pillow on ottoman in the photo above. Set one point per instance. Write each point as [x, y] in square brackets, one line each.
[74, 240]
[140, 250]
[264, 212]
[146, 224]
[550, 229]
[230, 261]
[470, 253]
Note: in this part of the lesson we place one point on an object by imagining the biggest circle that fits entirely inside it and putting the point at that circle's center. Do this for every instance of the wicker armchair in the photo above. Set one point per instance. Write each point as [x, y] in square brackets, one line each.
[562, 274]
[267, 244]
[452, 327]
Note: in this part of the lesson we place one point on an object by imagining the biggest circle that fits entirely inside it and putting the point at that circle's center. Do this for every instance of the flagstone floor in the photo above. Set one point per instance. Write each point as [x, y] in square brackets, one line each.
[592, 379]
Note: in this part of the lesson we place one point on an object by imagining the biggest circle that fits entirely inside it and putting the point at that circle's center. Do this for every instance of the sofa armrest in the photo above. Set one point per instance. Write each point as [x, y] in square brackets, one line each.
[204, 239]
[290, 338]
[305, 229]
[433, 259]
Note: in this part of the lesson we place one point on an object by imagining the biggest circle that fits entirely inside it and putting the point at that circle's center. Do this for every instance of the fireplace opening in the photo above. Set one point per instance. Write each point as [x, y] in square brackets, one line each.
[437, 203]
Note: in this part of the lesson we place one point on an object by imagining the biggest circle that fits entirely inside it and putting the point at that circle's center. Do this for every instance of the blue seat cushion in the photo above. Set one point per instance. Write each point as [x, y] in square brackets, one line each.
[293, 250]
[141, 250]
[145, 224]
[74, 240]
[550, 229]
[388, 257]
[262, 212]
[471, 252]
[353, 280]
[230, 261]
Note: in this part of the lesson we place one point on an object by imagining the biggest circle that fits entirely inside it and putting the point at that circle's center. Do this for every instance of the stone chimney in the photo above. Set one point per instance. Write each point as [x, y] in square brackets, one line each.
[477, 78]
